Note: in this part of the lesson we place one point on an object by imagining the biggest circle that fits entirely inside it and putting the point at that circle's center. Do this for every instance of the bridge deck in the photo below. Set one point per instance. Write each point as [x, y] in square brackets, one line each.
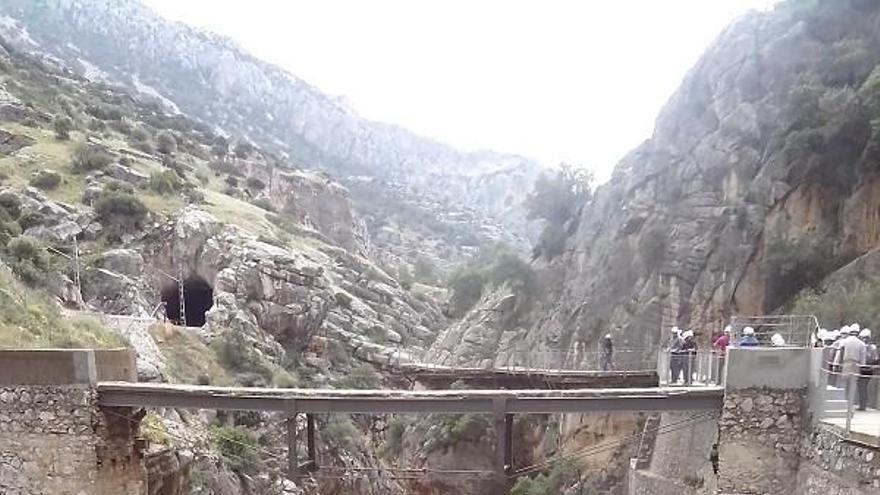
[404, 401]
[526, 378]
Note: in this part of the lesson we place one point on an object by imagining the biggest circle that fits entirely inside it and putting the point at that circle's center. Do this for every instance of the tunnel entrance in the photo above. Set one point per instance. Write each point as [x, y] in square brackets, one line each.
[198, 297]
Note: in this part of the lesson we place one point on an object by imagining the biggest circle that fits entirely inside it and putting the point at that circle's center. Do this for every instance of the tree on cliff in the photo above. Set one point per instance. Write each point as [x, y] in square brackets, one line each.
[557, 199]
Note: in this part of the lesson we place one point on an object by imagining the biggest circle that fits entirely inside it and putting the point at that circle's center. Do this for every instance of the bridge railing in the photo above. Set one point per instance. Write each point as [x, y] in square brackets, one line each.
[545, 361]
[700, 368]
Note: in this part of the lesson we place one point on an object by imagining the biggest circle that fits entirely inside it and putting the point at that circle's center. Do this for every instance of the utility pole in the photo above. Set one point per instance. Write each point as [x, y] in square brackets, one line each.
[76, 273]
[182, 295]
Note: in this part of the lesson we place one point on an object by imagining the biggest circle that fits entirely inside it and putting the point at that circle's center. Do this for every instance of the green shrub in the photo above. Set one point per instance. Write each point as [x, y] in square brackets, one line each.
[362, 377]
[340, 433]
[556, 200]
[493, 267]
[166, 182]
[457, 428]
[10, 206]
[424, 271]
[31, 219]
[46, 180]
[9, 229]
[62, 126]
[120, 211]
[551, 242]
[271, 241]
[236, 354]
[28, 259]
[165, 143]
[231, 181]
[343, 300]
[238, 449]
[90, 157]
[140, 139]
[554, 480]
[394, 434]
[263, 203]
[255, 184]
[857, 301]
[243, 149]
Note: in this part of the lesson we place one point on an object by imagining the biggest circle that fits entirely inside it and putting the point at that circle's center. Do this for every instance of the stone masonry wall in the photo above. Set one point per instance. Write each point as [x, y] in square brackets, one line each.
[52, 440]
[831, 465]
[759, 440]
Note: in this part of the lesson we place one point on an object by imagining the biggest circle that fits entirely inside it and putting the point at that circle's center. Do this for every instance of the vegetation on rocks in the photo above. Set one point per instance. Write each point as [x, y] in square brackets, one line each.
[555, 200]
[492, 268]
[238, 448]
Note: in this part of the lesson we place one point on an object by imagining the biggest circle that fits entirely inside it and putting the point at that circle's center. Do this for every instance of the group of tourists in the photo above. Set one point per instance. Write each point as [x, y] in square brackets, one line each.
[682, 349]
[849, 356]
[682, 353]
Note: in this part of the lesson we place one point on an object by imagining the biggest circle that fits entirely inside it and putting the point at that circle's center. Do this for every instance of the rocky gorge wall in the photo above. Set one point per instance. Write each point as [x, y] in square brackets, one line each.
[756, 184]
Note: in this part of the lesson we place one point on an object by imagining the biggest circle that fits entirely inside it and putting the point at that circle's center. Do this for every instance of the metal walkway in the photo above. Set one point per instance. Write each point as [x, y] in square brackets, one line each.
[404, 401]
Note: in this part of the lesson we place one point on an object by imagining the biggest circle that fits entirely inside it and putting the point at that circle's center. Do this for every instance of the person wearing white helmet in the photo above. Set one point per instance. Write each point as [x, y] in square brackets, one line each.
[777, 340]
[865, 372]
[689, 348]
[851, 355]
[748, 339]
[675, 354]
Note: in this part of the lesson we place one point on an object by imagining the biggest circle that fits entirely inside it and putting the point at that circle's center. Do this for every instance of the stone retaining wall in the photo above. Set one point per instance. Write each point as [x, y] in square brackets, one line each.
[832, 466]
[759, 440]
[53, 439]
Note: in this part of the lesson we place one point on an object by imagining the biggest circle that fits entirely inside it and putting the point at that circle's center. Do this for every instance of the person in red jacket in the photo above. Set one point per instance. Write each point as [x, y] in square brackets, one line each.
[720, 347]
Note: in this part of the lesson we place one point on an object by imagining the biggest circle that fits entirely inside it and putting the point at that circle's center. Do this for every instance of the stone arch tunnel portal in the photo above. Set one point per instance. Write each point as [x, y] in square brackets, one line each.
[198, 298]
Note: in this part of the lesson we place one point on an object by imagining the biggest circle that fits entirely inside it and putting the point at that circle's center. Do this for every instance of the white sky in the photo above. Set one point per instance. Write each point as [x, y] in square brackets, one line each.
[579, 81]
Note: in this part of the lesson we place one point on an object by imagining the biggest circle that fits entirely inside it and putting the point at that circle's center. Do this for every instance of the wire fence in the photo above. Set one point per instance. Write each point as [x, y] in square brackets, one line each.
[541, 362]
[795, 330]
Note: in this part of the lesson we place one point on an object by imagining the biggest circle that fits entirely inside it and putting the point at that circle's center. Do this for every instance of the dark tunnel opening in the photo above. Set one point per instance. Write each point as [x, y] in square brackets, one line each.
[198, 298]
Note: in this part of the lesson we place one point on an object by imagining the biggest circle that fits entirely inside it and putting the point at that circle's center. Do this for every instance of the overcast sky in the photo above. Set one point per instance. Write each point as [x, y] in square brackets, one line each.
[559, 80]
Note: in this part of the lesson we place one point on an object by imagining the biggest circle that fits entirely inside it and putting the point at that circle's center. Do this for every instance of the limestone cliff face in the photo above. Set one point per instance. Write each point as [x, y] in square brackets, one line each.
[760, 179]
[211, 78]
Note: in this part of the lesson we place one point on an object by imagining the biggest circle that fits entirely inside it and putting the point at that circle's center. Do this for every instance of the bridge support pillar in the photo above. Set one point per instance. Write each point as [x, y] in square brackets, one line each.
[503, 437]
[292, 466]
[312, 463]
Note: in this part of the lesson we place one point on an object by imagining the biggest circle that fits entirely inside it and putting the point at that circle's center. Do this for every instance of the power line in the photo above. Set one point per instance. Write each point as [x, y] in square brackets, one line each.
[601, 448]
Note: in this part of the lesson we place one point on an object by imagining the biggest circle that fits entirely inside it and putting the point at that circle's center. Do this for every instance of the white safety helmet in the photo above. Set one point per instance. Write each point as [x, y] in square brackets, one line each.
[865, 333]
[687, 334]
[748, 331]
[832, 335]
[608, 336]
[777, 340]
[676, 330]
[855, 328]
[821, 334]
[728, 329]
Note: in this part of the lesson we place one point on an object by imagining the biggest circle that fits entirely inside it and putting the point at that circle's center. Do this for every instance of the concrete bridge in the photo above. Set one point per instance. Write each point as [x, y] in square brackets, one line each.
[501, 404]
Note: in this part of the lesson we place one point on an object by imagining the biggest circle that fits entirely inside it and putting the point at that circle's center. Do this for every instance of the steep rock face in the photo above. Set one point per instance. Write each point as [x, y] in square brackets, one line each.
[759, 181]
[211, 78]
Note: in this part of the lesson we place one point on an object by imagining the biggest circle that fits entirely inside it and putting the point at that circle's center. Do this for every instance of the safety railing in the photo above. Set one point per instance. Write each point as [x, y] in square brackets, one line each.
[795, 330]
[541, 362]
[849, 400]
[701, 368]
